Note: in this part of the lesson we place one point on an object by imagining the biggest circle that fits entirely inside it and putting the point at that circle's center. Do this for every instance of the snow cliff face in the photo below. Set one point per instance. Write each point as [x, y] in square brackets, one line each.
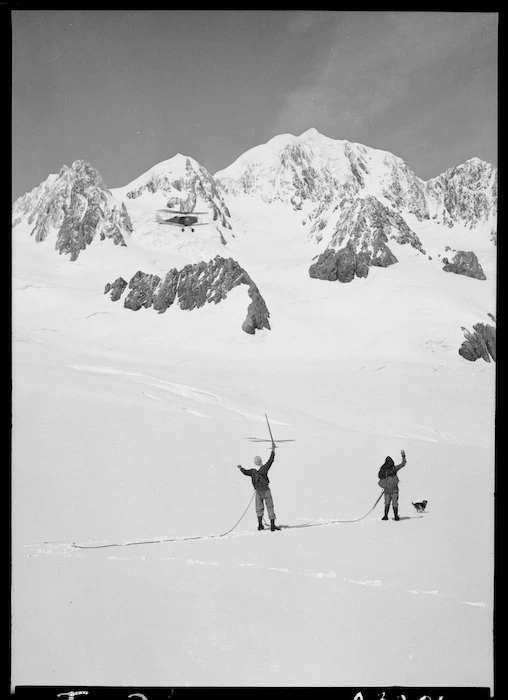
[76, 206]
[192, 287]
[185, 183]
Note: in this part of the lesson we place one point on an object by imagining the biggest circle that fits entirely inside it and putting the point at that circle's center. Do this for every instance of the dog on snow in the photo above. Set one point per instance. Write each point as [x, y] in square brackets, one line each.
[420, 507]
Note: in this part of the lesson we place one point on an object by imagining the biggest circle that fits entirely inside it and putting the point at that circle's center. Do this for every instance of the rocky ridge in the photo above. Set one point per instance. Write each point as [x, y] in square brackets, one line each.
[360, 240]
[75, 205]
[192, 287]
[465, 194]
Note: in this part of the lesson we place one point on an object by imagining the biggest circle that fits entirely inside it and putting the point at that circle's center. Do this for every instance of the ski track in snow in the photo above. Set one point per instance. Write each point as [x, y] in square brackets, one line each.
[183, 390]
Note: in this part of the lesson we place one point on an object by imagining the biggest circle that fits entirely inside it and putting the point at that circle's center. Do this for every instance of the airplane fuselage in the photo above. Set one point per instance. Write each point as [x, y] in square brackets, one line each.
[183, 220]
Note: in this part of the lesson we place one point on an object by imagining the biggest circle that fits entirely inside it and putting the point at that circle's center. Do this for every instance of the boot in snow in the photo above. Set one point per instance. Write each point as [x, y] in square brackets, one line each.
[396, 511]
[260, 523]
[385, 517]
[273, 526]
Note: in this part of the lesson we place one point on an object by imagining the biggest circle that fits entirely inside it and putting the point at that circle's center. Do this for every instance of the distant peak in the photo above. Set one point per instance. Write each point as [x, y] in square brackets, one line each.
[476, 161]
[311, 133]
[179, 160]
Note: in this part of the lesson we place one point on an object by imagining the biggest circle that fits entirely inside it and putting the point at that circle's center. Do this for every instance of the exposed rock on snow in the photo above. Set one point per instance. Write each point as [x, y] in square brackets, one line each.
[465, 263]
[192, 287]
[77, 206]
[142, 287]
[184, 182]
[481, 343]
[369, 224]
[361, 236]
[341, 265]
[116, 289]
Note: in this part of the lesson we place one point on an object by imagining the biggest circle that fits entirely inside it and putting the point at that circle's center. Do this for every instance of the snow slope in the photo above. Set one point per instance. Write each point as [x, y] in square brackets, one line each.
[128, 426]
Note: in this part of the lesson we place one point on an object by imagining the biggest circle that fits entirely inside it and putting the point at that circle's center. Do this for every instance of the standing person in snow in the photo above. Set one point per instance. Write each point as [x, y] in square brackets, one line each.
[389, 481]
[261, 482]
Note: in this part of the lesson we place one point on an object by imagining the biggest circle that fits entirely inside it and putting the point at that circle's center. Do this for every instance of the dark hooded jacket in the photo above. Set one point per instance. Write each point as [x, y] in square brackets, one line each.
[388, 479]
[259, 477]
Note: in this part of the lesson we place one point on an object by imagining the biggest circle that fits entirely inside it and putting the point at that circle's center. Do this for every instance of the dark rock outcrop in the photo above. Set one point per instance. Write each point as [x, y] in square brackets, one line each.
[116, 288]
[344, 264]
[76, 205]
[325, 267]
[257, 312]
[479, 344]
[142, 288]
[192, 287]
[465, 263]
[361, 240]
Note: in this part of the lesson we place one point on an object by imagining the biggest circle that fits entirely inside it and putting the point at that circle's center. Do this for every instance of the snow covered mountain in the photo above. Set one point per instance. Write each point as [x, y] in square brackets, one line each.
[312, 169]
[315, 168]
[184, 183]
[74, 207]
[465, 194]
[361, 208]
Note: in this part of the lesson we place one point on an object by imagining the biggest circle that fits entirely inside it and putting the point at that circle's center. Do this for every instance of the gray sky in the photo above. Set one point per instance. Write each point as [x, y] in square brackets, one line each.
[125, 90]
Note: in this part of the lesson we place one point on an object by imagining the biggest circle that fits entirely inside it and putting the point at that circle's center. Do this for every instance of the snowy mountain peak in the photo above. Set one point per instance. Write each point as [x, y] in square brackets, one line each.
[171, 167]
[179, 182]
[319, 170]
[315, 169]
[76, 206]
[310, 134]
[466, 193]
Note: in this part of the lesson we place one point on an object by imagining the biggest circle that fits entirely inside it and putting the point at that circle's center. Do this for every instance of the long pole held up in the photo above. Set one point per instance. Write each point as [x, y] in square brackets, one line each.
[269, 429]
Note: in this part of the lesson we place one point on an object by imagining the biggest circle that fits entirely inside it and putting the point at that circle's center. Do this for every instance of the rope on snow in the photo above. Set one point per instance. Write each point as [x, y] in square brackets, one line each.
[332, 522]
[203, 537]
[164, 539]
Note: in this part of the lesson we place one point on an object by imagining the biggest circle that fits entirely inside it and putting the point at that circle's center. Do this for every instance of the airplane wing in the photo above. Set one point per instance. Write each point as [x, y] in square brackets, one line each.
[182, 213]
[175, 223]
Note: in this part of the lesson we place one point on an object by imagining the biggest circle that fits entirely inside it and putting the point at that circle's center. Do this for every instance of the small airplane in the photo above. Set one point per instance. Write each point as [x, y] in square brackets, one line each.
[181, 218]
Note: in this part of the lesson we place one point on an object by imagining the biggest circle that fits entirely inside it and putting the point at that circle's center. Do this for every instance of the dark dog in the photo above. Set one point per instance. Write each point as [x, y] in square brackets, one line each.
[420, 507]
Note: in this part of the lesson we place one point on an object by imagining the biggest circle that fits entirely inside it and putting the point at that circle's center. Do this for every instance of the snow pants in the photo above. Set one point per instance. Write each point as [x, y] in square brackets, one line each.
[262, 497]
[392, 498]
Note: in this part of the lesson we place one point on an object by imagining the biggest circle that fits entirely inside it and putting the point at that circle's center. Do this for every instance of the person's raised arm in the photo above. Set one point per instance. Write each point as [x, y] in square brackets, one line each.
[266, 467]
[403, 463]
